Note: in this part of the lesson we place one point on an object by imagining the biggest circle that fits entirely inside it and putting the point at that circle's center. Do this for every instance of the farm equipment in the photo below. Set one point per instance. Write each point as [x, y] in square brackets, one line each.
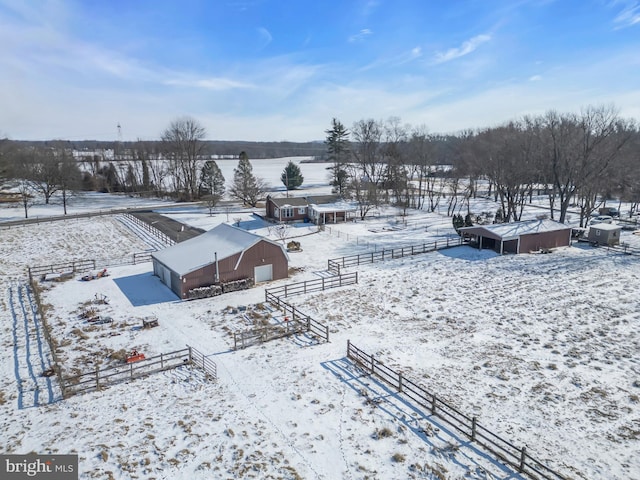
[100, 320]
[135, 356]
[95, 275]
[149, 322]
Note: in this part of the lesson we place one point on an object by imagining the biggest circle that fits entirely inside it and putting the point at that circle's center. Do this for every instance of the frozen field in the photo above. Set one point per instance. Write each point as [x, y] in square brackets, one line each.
[543, 349]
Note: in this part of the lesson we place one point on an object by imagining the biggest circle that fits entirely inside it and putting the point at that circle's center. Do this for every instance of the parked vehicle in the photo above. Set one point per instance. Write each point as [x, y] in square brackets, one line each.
[601, 219]
[610, 211]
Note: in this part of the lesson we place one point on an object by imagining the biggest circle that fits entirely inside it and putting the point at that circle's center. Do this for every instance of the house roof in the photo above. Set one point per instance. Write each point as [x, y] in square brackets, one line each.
[289, 202]
[224, 241]
[511, 231]
[303, 201]
[340, 206]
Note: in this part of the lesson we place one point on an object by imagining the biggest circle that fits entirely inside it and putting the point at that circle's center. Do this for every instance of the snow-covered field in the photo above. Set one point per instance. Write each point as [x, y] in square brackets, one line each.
[543, 349]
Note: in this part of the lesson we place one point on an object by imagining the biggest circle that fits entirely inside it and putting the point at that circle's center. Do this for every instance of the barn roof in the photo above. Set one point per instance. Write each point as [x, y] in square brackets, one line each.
[511, 231]
[224, 240]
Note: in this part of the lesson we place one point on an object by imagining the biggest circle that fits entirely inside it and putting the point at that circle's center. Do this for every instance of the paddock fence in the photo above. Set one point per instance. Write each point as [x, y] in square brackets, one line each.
[309, 286]
[100, 378]
[161, 236]
[336, 264]
[81, 266]
[296, 322]
[500, 448]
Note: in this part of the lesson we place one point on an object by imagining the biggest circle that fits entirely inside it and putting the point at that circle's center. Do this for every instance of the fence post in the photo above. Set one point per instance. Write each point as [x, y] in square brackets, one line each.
[523, 454]
[356, 277]
[322, 283]
[161, 362]
[190, 355]
[400, 382]
[326, 332]
[433, 404]
[131, 370]
[373, 364]
[348, 347]
[285, 290]
[97, 378]
[474, 422]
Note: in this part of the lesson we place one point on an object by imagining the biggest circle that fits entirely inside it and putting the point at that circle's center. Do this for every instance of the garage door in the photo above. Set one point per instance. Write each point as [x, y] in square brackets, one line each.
[263, 273]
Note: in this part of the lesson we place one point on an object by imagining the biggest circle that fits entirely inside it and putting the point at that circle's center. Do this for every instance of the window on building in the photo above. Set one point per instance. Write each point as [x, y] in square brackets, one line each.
[287, 212]
[301, 210]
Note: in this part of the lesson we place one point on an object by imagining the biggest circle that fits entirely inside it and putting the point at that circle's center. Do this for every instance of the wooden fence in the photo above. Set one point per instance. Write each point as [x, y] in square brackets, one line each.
[267, 333]
[81, 266]
[163, 237]
[99, 378]
[468, 426]
[335, 265]
[312, 285]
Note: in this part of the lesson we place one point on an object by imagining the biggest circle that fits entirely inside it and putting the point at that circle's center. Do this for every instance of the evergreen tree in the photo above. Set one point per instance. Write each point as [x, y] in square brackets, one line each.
[211, 180]
[458, 222]
[211, 184]
[246, 187]
[337, 142]
[291, 176]
[468, 220]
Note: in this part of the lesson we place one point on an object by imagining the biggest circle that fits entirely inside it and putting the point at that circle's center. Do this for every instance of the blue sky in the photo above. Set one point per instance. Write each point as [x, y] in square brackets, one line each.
[282, 69]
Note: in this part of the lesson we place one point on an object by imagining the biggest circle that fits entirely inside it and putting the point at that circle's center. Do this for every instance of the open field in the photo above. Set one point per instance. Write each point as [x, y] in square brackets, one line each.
[543, 349]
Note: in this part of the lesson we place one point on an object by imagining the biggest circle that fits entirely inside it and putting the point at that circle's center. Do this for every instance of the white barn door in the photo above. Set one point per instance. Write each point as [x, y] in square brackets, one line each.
[263, 273]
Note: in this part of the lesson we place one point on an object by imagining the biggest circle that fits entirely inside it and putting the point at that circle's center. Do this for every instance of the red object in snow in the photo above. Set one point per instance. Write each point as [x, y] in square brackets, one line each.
[135, 357]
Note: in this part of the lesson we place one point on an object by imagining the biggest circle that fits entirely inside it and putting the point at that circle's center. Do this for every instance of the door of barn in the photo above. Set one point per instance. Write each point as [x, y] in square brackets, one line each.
[263, 273]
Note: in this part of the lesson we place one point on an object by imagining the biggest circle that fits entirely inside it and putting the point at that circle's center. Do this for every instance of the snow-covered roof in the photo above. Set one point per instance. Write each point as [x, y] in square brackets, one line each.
[334, 207]
[606, 226]
[224, 240]
[511, 231]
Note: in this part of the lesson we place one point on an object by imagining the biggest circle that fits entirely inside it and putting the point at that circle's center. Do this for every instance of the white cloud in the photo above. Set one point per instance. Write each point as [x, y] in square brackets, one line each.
[266, 36]
[535, 78]
[360, 36]
[213, 83]
[629, 16]
[466, 48]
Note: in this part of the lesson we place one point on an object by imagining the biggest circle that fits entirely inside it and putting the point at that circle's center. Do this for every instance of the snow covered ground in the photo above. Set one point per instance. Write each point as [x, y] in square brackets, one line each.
[543, 349]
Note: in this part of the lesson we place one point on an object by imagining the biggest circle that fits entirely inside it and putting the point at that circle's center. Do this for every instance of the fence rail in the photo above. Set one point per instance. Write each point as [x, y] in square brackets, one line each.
[336, 264]
[313, 327]
[91, 381]
[469, 426]
[312, 285]
[198, 359]
[163, 237]
[80, 266]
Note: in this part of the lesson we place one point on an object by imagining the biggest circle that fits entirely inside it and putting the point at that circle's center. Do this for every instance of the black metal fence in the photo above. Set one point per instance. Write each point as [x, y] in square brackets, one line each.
[468, 426]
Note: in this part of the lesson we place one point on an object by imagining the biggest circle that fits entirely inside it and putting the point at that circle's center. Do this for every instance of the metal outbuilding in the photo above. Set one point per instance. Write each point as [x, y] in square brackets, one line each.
[519, 237]
[221, 255]
[605, 234]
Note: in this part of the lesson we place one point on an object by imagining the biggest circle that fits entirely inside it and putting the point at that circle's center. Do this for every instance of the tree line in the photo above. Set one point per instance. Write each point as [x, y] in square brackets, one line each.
[576, 160]
[176, 167]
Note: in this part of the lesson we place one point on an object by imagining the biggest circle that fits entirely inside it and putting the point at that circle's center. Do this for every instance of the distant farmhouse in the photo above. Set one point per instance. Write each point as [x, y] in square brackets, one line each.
[318, 209]
[223, 254]
[519, 237]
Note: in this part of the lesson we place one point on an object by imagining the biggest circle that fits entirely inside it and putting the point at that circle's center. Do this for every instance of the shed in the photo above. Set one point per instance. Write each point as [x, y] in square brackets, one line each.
[221, 255]
[605, 234]
[519, 237]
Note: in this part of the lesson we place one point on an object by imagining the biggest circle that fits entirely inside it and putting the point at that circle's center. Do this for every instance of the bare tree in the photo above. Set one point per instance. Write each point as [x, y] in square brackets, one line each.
[183, 146]
[580, 148]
